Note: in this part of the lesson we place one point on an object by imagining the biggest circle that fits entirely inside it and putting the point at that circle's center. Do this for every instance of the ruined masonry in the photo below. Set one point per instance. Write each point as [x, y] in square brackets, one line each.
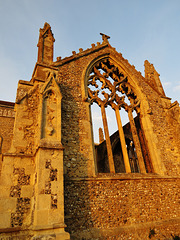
[57, 183]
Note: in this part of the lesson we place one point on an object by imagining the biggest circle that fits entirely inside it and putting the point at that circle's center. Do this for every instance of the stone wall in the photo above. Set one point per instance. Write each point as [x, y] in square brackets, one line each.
[165, 138]
[31, 180]
[76, 119]
[125, 206]
[76, 131]
[16, 192]
[113, 207]
[7, 115]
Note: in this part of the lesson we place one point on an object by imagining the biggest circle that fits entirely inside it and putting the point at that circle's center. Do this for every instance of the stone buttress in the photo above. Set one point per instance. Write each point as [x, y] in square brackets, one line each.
[32, 194]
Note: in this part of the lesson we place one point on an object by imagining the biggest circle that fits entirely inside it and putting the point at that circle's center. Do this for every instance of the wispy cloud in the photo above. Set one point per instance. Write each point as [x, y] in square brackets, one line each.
[177, 87]
[166, 84]
[97, 118]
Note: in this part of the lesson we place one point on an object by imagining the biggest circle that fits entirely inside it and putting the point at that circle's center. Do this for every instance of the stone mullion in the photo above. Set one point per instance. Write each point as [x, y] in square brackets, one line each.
[123, 142]
[108, 142]
[136, 142]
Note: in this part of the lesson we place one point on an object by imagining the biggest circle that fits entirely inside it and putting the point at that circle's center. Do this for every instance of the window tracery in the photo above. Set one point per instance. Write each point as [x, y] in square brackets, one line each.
[109, 86]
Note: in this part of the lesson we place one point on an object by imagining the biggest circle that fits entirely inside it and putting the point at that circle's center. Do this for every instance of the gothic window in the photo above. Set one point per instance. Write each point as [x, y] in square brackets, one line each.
[125, 150]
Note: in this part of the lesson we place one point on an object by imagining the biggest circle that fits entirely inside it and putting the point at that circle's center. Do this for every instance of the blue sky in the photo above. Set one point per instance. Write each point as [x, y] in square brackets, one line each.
[139, 29]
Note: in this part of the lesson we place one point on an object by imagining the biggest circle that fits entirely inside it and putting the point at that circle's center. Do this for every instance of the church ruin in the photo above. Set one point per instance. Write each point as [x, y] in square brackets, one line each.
[56, 182]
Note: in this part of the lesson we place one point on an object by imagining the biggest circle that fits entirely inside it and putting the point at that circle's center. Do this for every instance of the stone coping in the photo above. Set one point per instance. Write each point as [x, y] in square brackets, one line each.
[18, 155]
[123, 177]
[33, 228]
[6, 104]
[41, 65]
[81, 53]
[24, 82]
[50, 144]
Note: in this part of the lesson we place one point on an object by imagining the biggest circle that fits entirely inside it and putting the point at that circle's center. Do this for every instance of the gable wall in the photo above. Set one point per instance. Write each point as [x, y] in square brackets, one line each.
[114, 207]
[76, 130]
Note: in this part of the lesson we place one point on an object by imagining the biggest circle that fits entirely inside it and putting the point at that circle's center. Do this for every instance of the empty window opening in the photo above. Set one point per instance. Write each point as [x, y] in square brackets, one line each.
[119, 141]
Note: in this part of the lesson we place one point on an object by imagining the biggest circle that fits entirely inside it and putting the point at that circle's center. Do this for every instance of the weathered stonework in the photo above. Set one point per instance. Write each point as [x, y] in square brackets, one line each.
[121, 203]
[7, 115]
[56, 183]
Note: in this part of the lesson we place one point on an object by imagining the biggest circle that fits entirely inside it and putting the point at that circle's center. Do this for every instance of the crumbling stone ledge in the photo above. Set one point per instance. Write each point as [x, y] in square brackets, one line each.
[123, 176]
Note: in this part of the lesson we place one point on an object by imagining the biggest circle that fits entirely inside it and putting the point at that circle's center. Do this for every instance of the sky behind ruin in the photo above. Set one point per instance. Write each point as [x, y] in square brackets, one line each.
[139, 29]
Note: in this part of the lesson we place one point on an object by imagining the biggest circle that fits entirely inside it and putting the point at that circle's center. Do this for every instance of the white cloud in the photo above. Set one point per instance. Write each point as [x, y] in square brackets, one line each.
[96, 116]
[176, 88]
[166, 84]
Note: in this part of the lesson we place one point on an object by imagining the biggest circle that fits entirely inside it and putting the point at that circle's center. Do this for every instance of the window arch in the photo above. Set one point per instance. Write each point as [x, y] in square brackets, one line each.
[109, 86]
